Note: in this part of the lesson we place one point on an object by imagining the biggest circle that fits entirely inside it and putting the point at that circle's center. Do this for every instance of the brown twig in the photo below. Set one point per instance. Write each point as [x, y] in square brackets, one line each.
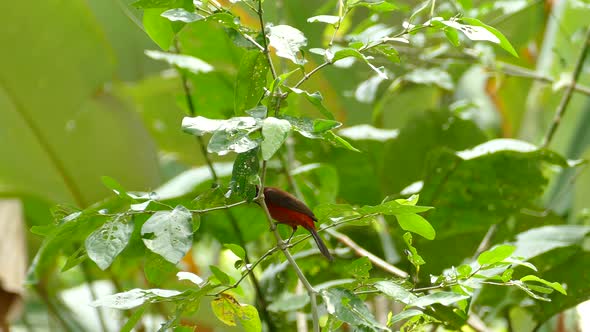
[562, 107]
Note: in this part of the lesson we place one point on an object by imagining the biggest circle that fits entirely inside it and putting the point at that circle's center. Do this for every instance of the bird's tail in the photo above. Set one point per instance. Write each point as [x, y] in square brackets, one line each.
[318, 240]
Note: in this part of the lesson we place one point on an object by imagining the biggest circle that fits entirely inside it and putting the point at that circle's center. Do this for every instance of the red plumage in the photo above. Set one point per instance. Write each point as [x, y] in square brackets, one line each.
[287, 209]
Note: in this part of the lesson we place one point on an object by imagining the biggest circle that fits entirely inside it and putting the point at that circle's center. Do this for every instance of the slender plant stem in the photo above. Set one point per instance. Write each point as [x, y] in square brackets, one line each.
[341, 15]
[283, 247]
[362, 252]
[562, 107]
[266, 51]
[260, 199]
[249, 270]
[233, 221]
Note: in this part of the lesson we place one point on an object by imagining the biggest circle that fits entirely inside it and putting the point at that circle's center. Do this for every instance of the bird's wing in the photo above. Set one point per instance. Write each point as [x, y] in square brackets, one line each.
[277, 197]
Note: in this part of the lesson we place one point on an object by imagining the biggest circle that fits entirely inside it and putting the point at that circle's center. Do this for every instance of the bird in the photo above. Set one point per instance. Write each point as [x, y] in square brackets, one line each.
[287, 209]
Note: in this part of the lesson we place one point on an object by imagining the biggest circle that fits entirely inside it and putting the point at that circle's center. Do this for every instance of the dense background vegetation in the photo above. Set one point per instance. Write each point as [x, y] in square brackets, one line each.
[441, 144]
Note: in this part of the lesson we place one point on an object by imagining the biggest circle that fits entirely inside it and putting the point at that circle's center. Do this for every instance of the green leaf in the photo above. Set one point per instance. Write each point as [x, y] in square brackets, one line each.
[115, 187]
[171, 234]
[395, 207]
[529, 292]
[143, 4]
[430, 76]
[75, 259]
[496, 254]
[348, 308]
[452, 36]
[464, 270]
[360, 268]
[555, 285]
[287, 41]
[537, 241]
[236, 249]
[182, 15]
[330, 19]
[413, 255]
[187, 62]
[416, 224]
[314, 129]
[368, 132]
[374, 5]
[501, 40]
[158, 28]
[351, 52]
[245, 171]
[228, 310]
[223, 277]
[388, 51]
[338, 141]
[403, 315]
[228, 135]
[133, 298]
[289, 303]
[108, 241]
[133, 320]
[318, 129]
[395, 291]
[275, 132]
[200, 126]
[316, 99]
[444, 298]
[346, 53]
[157, 269]
[250, 82]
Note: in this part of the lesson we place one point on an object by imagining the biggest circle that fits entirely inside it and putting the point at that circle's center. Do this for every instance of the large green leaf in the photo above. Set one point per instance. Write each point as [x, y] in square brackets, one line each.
[348, 308]
[56, 107]
[488, 184]
[169, 233]
[107, 242]
[250, 82]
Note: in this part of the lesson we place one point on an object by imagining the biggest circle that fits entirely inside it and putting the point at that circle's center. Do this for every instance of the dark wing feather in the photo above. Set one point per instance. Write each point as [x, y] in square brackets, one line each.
[283, 199]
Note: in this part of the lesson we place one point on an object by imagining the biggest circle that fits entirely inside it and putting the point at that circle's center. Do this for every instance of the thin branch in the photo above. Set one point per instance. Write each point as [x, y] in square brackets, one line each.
[360, 251]
[311, 73]
[249, 269]
[560, 112]
[341, 15]
[518, 71]
[284, 248]
[231, 217]
[264, 43]
[485, 242]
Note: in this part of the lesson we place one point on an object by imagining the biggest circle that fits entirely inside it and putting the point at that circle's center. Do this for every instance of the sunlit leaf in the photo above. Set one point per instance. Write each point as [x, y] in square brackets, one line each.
[230, 311]
[555, 285]
[496, 254]
[275, 132]
[244, 173]
[395, 291]
[169, 233]
[287, 41]
[416, 224]
[187, 62]
[182, 15]
[108, 241]
[330, 19]
[444, 298]
[250, 82]
[348, 308]
[133, 298]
